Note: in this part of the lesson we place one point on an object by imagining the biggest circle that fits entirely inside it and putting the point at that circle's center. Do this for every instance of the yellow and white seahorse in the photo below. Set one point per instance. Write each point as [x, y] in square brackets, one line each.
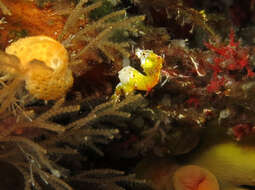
[131, 79]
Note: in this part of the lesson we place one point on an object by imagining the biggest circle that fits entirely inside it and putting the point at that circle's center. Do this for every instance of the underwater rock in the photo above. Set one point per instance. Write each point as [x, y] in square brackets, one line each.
[230, 161]
[158, 172]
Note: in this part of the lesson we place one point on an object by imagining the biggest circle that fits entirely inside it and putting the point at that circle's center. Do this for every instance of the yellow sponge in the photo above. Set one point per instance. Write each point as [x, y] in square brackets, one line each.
[45, 62]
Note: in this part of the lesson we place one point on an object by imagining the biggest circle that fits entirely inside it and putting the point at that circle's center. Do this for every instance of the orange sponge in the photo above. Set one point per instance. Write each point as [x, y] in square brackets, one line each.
[193, 177]
[45, 65]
